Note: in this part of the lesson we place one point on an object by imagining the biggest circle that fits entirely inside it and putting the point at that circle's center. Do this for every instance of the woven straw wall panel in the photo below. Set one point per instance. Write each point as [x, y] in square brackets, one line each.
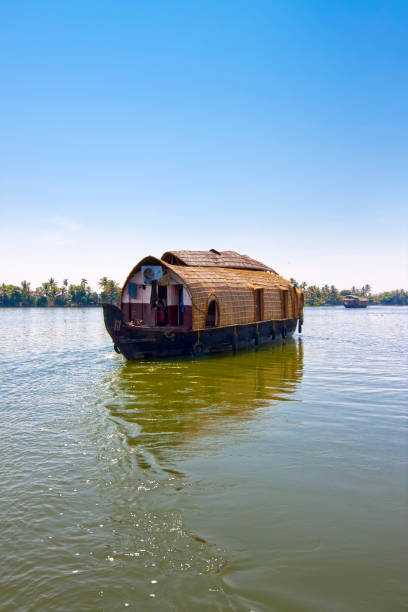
[295, 303]
[272, 304]
[291, 302]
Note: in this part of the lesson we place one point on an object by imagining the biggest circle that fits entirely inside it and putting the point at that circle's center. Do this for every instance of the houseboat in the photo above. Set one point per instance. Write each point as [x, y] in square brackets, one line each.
[355, 301]
[196, 302]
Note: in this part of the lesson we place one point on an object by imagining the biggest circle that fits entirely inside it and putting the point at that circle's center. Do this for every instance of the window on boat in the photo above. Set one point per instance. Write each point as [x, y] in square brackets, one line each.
[285, 303]
[212, 314]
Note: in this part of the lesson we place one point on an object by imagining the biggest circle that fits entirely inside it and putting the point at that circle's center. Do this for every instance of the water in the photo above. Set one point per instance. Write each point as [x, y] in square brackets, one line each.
[275, 479]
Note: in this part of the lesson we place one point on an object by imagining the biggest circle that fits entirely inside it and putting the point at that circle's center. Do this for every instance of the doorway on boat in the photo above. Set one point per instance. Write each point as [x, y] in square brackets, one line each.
[180, 305]
[259, 298]
[175, 305]
[161, 309]
[212, 313]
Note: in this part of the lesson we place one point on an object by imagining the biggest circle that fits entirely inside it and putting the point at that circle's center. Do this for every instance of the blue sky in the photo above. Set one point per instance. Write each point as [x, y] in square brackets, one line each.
[276, 128]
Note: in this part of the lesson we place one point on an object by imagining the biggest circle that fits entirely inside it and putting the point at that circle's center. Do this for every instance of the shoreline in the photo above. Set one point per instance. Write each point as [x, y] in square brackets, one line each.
[88, 306]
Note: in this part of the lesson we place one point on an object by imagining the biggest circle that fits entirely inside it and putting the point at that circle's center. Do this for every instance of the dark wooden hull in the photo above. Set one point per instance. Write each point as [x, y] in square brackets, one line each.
[142, 342]
[355, 305]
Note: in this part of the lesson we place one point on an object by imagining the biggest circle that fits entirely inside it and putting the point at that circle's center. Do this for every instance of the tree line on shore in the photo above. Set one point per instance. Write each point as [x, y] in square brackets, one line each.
[51, 294]
[331, 296]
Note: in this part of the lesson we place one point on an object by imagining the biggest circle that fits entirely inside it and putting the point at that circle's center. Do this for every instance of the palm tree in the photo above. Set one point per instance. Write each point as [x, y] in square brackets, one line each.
[53, 293]
[110, 290]
[103, 282]
[25, 292]
[64, 286]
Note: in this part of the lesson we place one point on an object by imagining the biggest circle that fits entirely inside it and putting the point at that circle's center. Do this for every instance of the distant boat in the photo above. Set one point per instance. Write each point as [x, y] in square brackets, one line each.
[355, 301]
[195, 302]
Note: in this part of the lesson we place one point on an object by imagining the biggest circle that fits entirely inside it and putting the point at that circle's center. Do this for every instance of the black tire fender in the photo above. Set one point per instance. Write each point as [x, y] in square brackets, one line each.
[116, 349]
[198, 349]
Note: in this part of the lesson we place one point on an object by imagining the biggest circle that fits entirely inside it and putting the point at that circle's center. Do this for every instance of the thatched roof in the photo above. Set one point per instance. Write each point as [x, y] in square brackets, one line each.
[214, 259]
[355, 297]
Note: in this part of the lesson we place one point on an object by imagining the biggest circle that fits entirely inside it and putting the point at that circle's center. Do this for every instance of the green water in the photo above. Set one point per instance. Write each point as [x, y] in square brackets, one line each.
[274, 479]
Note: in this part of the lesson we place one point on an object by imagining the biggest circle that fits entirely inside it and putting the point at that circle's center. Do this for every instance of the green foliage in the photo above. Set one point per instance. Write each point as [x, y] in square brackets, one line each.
[398, 297]
[321, 296]
[110, 290]
[50, 294]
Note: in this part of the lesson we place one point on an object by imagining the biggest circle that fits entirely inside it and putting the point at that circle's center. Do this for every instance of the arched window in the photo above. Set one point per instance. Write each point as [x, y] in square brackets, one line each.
[212, 313]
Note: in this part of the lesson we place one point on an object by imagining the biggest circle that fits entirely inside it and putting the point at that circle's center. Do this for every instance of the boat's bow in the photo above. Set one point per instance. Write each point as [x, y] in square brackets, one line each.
[113, 317]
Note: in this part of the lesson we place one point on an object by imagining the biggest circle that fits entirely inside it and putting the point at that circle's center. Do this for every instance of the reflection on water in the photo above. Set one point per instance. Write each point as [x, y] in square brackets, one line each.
[155, 415]
[166, 403]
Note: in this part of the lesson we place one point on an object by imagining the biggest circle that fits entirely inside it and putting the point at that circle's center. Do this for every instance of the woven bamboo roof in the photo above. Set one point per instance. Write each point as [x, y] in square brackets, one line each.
[214, 259]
